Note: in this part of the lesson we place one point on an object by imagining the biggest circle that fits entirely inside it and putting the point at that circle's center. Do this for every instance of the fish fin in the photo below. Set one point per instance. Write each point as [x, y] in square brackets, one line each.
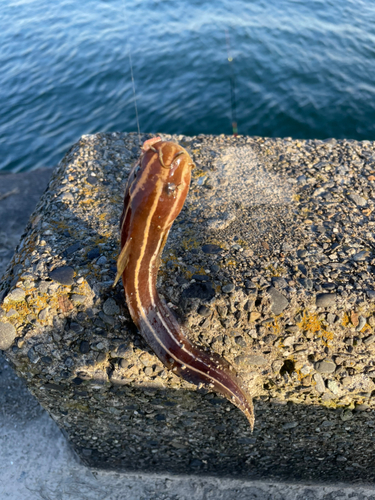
[163, 242]
[122, 262]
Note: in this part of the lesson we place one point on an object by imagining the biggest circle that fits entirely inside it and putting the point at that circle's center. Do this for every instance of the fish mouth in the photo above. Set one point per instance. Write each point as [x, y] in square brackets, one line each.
[150, 142]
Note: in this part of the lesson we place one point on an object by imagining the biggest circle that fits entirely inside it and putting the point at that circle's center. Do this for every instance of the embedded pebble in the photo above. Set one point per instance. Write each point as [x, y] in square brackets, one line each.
[318, 192]
[107, 319]
[331, 318]
[148, 371]
[204, 311]
[325, 366]
[102, 260]
[69, 362]
[7, 335]
[73, 248]
[123, 351]
[361, 256]
[101, 357]
[306, 369]
[17, 295]
[93, 254]
[362, 407]
[369, 340]
[358, 200]
[346, 415]
[254, 315]
[63, 275]
[76, 298]
[325, 299]
[213, 249]
[290, 425]
[67, 197]
[279, 282]
[110, 307]
[361, 323]
[92, 180]
[221, 223]
[33, 356]
[278, 301]
[288, 341]
[251, 359]
[333, 386]
[84, 347]
[43, 315]
[319, 383]
[240, 341]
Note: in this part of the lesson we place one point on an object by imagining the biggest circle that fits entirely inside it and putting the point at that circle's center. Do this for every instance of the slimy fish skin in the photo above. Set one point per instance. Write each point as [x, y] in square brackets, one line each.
[154, 196]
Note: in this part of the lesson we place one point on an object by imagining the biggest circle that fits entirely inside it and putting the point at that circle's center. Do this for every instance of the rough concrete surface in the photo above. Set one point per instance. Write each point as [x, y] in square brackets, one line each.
[36, 462]
[269, 265]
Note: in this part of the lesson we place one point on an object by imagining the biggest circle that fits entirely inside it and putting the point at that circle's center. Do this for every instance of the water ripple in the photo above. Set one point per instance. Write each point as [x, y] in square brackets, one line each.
[303, 69]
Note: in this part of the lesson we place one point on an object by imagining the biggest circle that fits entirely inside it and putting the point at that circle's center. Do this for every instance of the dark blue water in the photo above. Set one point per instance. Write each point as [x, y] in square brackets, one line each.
[304, 69]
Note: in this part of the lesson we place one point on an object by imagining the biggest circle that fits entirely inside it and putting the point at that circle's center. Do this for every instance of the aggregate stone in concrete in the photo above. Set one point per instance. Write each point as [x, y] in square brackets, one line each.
[63, 275]
[110, 307]
[7, 335]
[325, 299]
[278, 301]
[290, 226]
[319, 387]
[325, 367]
[16, 295]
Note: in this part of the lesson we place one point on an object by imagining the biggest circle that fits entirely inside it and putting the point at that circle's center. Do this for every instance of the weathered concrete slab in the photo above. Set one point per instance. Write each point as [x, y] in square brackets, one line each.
[270, 264]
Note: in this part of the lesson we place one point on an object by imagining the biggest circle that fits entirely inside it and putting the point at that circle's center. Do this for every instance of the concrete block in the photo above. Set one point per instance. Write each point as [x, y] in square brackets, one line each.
[259, 267]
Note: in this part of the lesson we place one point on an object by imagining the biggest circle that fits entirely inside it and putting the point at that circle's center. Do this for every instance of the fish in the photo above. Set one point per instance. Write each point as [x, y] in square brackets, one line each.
[155, 193]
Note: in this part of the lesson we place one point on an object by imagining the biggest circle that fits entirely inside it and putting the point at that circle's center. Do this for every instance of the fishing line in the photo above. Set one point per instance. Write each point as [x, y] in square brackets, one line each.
[135, 99]
[232, 87]
[132, 78]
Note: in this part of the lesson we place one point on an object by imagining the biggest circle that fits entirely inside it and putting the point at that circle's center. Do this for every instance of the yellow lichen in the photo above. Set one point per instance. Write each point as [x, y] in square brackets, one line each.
[86, 201]
[275, 327]
[345, 320]
[36, 302]
[276, 271]
[243, 243]
[189, 243]
[311, 323]
[197, 173]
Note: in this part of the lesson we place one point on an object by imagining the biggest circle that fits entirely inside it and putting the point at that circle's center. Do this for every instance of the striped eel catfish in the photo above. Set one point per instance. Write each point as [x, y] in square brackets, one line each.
[154, 196]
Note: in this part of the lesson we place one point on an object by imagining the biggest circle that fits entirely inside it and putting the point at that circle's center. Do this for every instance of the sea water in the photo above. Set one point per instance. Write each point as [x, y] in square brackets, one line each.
[301, 68]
